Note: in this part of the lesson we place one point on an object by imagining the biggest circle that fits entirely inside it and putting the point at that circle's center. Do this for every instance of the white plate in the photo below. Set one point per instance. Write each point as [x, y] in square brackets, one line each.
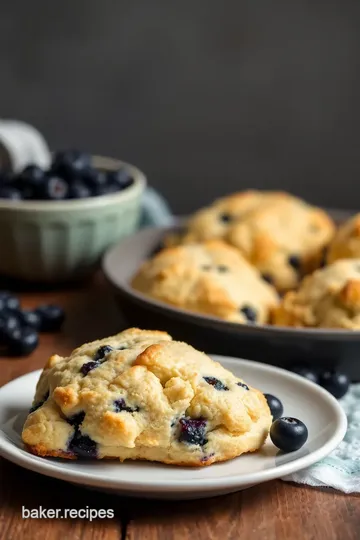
[322, 414]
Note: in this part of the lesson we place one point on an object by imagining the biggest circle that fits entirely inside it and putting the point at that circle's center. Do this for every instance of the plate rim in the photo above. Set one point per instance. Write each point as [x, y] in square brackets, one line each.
[202, 319]
[53, 469]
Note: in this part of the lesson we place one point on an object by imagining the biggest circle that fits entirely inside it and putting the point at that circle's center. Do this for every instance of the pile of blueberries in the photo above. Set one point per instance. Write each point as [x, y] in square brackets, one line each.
[290, 434]
[71, 176]
[19, 327]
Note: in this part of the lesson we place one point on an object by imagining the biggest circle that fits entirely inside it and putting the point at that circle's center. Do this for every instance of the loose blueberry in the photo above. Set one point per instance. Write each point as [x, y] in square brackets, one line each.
[83, 446]
[79, 190]
[120, 405]
[225, 218]
[218, 385]
[22, 341]
[306, 372]
[267, 277]
[222, 268]
[30, 318]
[275, 406]
[89, 366]
[102, 352]
[249, 312]
[8, 301]
[70, 163]
[122, 178]
[54, 189]
[288, 434]
[9, 321]
[294, 261]
[76, 419]
[243, 385]
[51, 317]
[192, 431]
[9, 192]
[38, 405]
[334, 382]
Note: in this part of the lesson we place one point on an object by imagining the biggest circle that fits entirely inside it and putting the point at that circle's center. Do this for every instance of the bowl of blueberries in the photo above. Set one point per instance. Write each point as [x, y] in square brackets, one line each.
[55, 224]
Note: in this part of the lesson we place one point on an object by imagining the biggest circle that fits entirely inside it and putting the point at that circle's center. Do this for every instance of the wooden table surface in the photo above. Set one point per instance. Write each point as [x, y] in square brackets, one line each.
[271, 511]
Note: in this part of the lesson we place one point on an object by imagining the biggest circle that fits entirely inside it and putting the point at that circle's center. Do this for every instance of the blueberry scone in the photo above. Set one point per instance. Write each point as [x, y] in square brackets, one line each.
[285, 239]
[346, 242]
[211, 278]
[329, 298]
[140, 395]
[216, 220]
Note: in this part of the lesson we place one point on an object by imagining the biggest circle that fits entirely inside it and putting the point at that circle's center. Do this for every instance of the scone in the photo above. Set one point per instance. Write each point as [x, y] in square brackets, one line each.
[284, 239]
[210, 278]
[216, 220]
[329, 298]
[346, 242]
[140, 395]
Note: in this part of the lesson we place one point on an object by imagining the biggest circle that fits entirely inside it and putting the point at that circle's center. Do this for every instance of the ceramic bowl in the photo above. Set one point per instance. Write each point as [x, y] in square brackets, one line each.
[280, 346]
[54, 241]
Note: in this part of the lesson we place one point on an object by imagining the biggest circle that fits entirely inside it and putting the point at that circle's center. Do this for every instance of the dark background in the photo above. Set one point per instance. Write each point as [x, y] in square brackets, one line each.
[205, 96]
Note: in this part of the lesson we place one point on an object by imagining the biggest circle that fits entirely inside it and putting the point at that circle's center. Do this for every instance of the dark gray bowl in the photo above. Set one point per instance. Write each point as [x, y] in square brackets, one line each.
[285, 347]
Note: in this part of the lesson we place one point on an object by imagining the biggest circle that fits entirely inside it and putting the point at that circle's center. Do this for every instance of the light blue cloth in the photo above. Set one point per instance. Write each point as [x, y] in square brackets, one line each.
[155, 210]
[341, 469]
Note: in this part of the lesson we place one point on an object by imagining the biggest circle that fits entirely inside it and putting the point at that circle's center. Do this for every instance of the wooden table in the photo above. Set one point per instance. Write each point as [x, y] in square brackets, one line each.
[272, 511]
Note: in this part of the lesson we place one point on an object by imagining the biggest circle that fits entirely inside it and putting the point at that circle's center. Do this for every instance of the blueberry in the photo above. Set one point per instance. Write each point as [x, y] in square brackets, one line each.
[38, 405]
[51, 317]
[334, 382]
[122, 178]
[9, 321]
[275, 406]
[83, 446]
[8, 301]
[54, 188]
[306, 372]
[9, 192]
[222, 268]
[108, 189]
[76, 419]
[243, 385]
[79, 190]
[22, 341]
[249, 312]
[31, 177]
[288, 434]
[120, 405]
[88, 366]
[30, 318]
[192, 431]
[102, 352]
[294, 261]
[94, 179]
[225, 218]
[267, 277]
[218, 385]
[70, 163]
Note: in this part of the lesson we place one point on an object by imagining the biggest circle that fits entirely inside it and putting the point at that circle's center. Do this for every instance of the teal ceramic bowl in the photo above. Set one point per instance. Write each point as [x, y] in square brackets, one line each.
[56, 241]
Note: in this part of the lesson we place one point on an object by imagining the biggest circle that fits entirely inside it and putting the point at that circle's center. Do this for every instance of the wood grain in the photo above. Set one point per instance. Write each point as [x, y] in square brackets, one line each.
[273, 511]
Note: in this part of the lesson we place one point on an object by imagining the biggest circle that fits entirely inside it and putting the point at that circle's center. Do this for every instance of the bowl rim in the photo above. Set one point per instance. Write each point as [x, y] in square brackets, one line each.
[128, 193]
[123, 287]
